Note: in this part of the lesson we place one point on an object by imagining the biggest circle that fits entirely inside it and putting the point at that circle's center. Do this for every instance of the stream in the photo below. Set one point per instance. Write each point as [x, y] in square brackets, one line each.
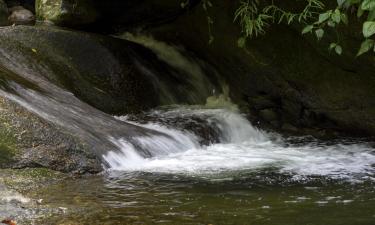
[244, 176]
[188, 163]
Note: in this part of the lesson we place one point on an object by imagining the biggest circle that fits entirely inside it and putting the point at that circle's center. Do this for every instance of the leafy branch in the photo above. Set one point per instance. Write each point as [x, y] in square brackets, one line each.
[333, 18]
[254, 19]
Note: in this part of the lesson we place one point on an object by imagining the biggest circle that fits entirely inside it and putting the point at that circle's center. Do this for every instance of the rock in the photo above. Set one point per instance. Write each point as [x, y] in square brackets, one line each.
[21, 16]
[282, 64]
[27, 4]
[261, 102]
[3, 14]
[51, 68]
[292, 109]
[28, 141]
[289, 128]
[268, 115]
[66, 12]
[133, 13]
[13, 3]
[100, 70]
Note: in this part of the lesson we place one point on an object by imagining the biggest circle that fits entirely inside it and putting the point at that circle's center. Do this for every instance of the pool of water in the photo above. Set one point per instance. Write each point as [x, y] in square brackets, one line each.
[231, 198]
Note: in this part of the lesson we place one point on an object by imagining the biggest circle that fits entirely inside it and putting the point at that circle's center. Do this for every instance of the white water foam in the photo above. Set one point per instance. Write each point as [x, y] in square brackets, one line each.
[243, 147]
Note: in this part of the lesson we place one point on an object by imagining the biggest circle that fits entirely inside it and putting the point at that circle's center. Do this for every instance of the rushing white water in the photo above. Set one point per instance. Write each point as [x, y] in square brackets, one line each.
[241, 147]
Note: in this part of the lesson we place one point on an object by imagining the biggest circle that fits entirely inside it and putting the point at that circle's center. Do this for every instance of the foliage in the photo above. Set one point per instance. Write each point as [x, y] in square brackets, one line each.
[255, 16]
[334, 17]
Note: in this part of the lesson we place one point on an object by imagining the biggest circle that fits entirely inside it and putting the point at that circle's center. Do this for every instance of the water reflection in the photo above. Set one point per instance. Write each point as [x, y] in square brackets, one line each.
[246, 198]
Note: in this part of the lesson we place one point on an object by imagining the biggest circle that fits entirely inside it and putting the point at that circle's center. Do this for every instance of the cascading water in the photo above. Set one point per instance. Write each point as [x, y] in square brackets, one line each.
[241, 147]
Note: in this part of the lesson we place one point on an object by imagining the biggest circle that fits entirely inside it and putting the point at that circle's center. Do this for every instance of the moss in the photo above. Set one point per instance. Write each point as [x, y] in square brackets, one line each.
[6, 153]
[8, 147]
[66, 12]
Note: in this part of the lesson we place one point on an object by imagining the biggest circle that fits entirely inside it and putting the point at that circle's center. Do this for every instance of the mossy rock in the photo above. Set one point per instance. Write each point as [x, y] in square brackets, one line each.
[66, 12]
[27, 141]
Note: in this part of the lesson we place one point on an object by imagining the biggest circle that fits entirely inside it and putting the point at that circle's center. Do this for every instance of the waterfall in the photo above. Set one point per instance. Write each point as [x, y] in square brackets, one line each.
[241, 147]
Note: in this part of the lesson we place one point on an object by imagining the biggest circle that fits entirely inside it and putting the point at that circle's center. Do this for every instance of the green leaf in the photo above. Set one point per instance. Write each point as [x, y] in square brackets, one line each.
[338, 49]
[319, 33]
[324, 16]
[360, 12]
[307, 29]
[332, 46]
[331, 23]
[336, 16]
[371, 15]
[365, 46]
[368, 5]
[368, 28]
[344, 18]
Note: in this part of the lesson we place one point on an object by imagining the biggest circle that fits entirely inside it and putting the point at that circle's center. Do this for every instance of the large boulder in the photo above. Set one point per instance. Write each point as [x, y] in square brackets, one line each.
[100, 70]
[66, 12]
[47, 77]
[295, 76]
[3, 13]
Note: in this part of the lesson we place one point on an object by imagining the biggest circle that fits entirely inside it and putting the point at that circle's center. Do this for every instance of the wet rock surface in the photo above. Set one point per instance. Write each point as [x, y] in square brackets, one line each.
[204, 127]
[99, 70]
[28, 141]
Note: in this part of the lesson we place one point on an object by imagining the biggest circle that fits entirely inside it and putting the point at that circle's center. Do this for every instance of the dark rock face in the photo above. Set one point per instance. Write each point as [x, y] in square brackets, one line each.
[141, 12]
[109, 15]
[3, 13]
[290, 74]
[100, 70]
[28, 141]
